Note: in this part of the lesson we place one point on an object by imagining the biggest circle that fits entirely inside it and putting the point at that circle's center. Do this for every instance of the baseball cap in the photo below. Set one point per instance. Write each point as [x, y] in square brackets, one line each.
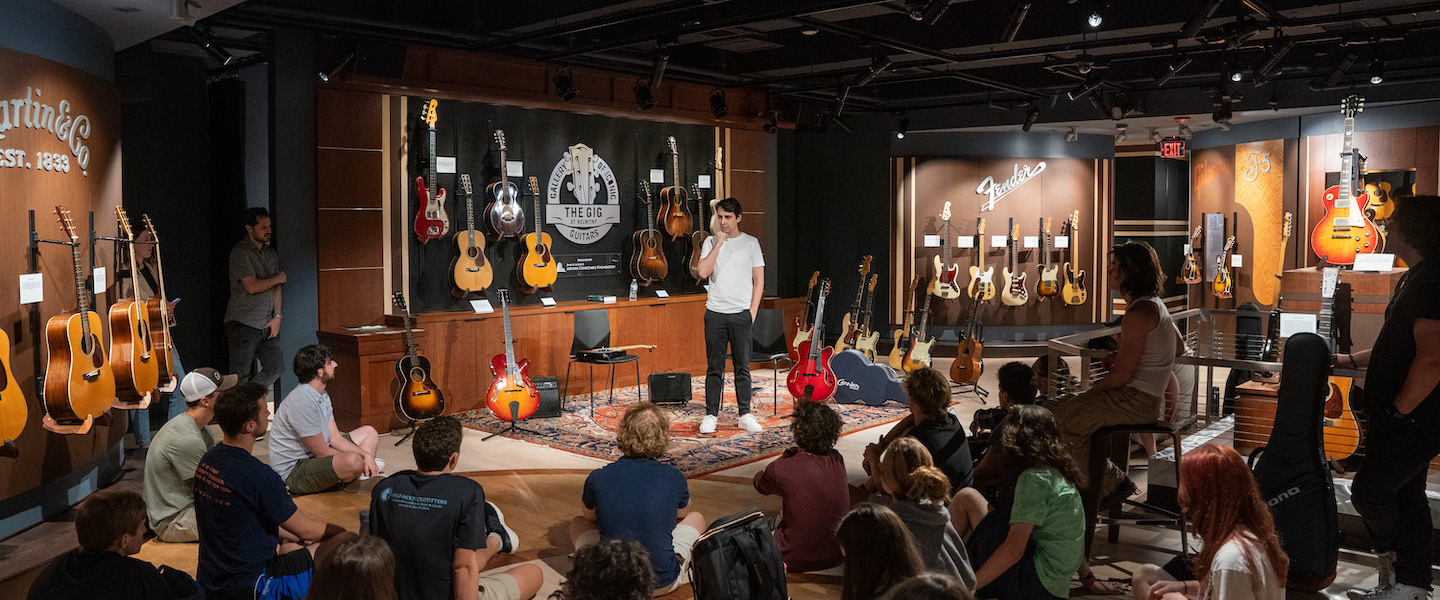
[205, 381]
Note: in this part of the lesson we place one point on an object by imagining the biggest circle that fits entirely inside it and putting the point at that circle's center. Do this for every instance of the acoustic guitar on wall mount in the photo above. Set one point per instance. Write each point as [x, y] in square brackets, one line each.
[13, 410]
[947, 273]
[470, 270]
[850, 321]
[79, 385]
[811, 378]
[1049, 284]
[697, 238]
[1345, 231]
[674, 205]
[1073, 292]
[417, 398]
[431, 221]
[507, 217]
[1190, 273]
[137, 373]
[1013, 291]
[161, 319]
[647, 262]
[982, 283]
[802, 324]
[537, 266]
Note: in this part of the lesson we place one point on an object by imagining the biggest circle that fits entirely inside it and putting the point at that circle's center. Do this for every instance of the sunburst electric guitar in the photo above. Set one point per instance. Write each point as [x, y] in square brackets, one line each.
[982, 283]
[1345, 231]
[946, 273]
[512, 396]
[920, 341]
[1013, 291]
[1224, 284]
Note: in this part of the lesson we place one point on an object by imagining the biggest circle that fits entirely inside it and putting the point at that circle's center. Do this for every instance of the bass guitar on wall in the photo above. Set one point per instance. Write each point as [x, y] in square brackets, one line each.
[512, 396]
[1345, 231]
[1074, 291]
[470, 270]
[131, 358]
[902, 335]
[674, 209]
[850, 322]
[431, 221]
[647, 262]
[537, 267]
[802, 324]
[1049, 272]
[507, 217]
[811, 378]
[946, 273]
[1013, 292]
[982, 283]
[416, 396]
[79, 384]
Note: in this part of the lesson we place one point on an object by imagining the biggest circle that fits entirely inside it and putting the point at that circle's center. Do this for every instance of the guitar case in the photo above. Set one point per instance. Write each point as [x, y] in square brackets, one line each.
[859, 380]
[1291, 469]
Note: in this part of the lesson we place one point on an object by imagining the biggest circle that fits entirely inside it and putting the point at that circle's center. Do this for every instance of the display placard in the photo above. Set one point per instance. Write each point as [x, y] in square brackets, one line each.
[703, 182]
[657, 175]
[482, 306]
[998, 241]
[965, 242]
[1032, 241]
[444, 164]
[932, 241]
[1375, 263]
[586, 265]
[32, 288]
[515, 168]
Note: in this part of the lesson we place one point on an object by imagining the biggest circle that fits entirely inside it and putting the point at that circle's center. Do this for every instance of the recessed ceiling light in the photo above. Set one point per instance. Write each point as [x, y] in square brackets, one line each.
[124, 9]
[809, 31]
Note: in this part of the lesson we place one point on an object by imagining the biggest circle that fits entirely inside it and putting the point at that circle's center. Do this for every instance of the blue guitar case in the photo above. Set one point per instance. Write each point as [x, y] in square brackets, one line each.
[859, 380]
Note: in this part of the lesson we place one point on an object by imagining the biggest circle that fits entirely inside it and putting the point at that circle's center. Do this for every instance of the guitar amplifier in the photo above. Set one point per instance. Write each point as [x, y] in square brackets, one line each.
[670, 388]
[549, 390]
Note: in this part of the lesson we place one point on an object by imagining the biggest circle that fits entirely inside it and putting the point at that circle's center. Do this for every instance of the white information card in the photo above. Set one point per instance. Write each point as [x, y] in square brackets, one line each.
[703, 182]
[99, 279]
[965, 242]
[657, 175]
[32, 288]
[932, 241]
[1032, 241]
[444, 164]
[1375, 263]
[1293, 323]
[482, 306]
[515, 168]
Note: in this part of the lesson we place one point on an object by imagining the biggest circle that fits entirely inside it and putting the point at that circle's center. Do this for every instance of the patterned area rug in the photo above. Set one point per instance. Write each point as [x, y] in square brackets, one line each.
[690, 452]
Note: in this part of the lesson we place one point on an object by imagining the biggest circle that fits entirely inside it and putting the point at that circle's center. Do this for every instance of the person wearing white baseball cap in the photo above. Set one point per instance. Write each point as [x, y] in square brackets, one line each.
[175, 452]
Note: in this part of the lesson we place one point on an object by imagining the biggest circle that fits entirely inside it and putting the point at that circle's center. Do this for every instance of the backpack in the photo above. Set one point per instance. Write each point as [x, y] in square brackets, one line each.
[737, 559]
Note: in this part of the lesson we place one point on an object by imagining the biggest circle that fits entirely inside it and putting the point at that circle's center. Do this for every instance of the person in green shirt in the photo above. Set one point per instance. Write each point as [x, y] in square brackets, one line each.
[174, 454]
[1032, 543]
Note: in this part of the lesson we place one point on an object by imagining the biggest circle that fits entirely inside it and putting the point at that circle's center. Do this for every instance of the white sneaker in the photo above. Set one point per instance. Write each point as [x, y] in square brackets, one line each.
[1397, 591]
[708, 424]
[748, 423]
[379, 468]
[1385, 576]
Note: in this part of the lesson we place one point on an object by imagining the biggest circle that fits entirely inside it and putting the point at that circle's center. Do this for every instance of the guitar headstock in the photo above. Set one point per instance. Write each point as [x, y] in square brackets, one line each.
[428, 114]
[124, 221]
[824, 287]
[150, 227]
[1074, 220]
[1351, 105]
[1289, 221]
[695, 190]
[719, 151]
[1229, 244]
[62, 214]
[979, 227]
[399, 298]
[1045, 225]
[873, 280]
[504, 294]
[645, 185]
[945, 214]
[671, 142]
[814, 278]
[1196, 234]
[500, 143]
[865, 266]
[1014, 232]
[534, 186]
[465, 184]
[1329, 277]
[914, 284]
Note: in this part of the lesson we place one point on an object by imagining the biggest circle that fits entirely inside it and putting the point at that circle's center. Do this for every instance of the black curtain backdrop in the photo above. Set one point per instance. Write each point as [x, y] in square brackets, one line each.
[539, 139]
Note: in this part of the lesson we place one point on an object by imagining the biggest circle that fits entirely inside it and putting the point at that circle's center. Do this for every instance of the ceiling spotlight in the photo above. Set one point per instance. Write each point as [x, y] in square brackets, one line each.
[1172, 69]
[810, 31]
[643, 98]
[1184, 129]
[1271, 68]
[1085, 88]
[1121, 132]
[565, 84]
[770, 126]
[878, 64]
[926, 12]
[330, 73]
[1197, 22]
[904, 125]
[1155, 135]
[718, 106]
[1030, 118]
[657, 68]
[916, 8]
[1094, 18]
[1071, 135]
[202, 38]
[1377, 71]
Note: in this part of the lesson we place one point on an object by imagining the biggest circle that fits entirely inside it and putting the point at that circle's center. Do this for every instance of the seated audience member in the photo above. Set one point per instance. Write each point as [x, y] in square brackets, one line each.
[917, 492]
[351, 567]
[1017, 386]
[1032, 541]
[640, 498]
[307, 449]
[931, 586]
[253, 539]
[609, 570]
[930, 422]
[437, 524]
[1044, 386]
[176, 449]
[111, 527]
[879, 552]
[1240, 554]
[810, 480]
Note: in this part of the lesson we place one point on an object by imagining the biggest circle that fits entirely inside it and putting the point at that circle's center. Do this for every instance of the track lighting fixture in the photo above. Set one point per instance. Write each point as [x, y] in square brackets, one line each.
[202, 39]
[565, 84]
[1172, 69]
[330, 73]
[878, 64]
[1271, 67]
[1083, 89]
[1030, 118]
[1222, 108]
[1197, 22]
[1377, 71]
[926, 12]
[643, 98]
[1071, 135]
[1181, 125]
[1017, 16]
[770, 126]
[903, 126]
[657, 68]
[1155, 135]
[1237, 75]
[841, 93]
[1346, 62]
[718, 107]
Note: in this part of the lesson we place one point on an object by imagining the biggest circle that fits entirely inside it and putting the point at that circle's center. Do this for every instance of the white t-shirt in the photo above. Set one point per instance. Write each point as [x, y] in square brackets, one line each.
[1234, 575]
[304, 412]
[731, 285]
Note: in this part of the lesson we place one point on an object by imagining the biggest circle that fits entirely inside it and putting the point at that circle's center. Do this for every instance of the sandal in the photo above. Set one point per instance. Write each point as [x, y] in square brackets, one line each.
[1104, 587]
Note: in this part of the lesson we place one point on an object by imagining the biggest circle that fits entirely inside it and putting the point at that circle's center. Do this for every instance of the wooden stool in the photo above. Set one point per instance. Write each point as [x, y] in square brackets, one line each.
[1113, 443]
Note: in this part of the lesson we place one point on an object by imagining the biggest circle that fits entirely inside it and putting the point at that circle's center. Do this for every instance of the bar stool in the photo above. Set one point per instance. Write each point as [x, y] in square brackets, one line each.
[1113, 443]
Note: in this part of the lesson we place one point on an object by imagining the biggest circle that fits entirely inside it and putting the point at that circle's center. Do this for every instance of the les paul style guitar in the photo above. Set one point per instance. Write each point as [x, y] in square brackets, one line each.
[1190, 272]
[968, 365]
[507, 218]
[1340, 432]
[946, 273]
[537, 266]
[902, 335]
[470, 270]
[866, 340]
[647, 262]
[1224, 284]
[674, 206]
[1049, 272]
[79, 384]
[850, 321]
[161, 342]
[137, 373]
[802, 324]
[918, 355]
[1074, 292]
[417, 398]
[982, 285]
[1345, 232]
[512, 397]
[1013, 293]
[811, 378]
[431, 221]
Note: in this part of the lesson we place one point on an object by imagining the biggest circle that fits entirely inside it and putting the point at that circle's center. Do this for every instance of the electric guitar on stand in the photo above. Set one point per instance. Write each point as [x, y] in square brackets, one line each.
[1341, 433]
[470, 270]
[507, 217]
[1049, 272]
[512, 397]
[674, 206]
[417, 398]
[79, 385]
[920, 341]
[137, 373]
[866, 340]
[982, 286]
[802, 329]
[431, 221]
[850, 322]
[537, 266]
[1013, 292]
[1190, 273]
[1224, 284]
[811, 378]
[1345, 231]
[946, 272]
[902, 335]
[1074, 291]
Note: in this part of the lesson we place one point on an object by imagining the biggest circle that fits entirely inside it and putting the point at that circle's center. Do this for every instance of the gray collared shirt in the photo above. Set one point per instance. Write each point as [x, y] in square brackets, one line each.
[254, 310]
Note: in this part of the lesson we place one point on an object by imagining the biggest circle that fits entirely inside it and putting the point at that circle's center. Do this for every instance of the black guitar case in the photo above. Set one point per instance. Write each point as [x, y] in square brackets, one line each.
[859, 380]
[1291, 469]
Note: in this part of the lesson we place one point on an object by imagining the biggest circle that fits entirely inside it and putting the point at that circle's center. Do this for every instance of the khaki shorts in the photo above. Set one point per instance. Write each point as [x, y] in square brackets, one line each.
[499, 586]
[314, 475]
[682, 541]
[179, 528]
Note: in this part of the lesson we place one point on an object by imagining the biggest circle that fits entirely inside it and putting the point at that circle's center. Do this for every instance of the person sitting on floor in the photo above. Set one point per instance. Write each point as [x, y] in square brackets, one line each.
[353, 567]
[1032, 540]
[930, 422]
[609, 570]
[1240, 553]
[640, 498]
[174, 453]
[1017, 386]
[917, 492]
[307, 449]
[931, 586]
[879, 552]
[810, 480]
[254, 541]
[439, 525]
[110, 525]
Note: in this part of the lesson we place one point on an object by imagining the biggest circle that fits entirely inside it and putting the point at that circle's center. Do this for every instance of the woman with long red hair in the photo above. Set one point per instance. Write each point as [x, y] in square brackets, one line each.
[1240, 554]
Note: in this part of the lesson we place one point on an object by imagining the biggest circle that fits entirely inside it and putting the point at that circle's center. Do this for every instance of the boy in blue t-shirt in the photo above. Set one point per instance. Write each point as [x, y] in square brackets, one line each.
[642, 499]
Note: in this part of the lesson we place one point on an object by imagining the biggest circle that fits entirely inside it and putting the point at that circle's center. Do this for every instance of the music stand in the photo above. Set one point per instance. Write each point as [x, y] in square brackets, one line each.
[514, 410]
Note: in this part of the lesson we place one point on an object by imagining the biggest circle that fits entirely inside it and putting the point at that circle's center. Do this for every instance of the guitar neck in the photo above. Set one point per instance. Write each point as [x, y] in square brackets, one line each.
[432, 172]
[410, 346]
[675, 166]
[1347, 156]
[924, 319]
[80, 292]
[816, 332]
[470, 209]
[509, 341]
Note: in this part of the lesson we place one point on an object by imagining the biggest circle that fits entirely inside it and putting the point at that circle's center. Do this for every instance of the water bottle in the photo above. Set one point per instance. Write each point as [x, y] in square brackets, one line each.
[634, 290]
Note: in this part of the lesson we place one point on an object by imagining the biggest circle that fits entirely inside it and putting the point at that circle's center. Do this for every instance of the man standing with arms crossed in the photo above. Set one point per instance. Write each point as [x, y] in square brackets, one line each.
[732, 263]
[252, 318]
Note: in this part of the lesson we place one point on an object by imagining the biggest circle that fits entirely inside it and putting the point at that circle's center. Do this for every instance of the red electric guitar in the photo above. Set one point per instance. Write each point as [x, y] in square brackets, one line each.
[512, 397]
[1345, 231]
[431, 221]
[812, 378]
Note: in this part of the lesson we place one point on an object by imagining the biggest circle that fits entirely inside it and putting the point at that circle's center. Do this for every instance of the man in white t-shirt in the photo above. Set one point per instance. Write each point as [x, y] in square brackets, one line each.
[307, 449]
[732, 264]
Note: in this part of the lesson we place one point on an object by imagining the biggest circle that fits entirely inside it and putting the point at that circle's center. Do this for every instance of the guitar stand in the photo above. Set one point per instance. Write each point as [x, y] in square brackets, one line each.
[514, 408]
[971, 388]
[413, 425]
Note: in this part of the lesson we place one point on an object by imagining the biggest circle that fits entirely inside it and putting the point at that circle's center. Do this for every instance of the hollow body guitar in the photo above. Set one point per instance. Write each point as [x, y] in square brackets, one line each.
[946, 272]
[416, 396]
[802, 324]
[849, 322]
[1345, 232]
[137, 373]
[470, 270]
[537, 267]
[1013, 292]
[1341, 432]
[79, 384]
[1049, 284]
[1190, 271]
[1073, 292]
[896, 358]
[982, 282]
[647, 259]
[674, 205]
[431, 221]
[507, 217]
[697, 239]
[811, 378]
[511, 397]
[161, 343]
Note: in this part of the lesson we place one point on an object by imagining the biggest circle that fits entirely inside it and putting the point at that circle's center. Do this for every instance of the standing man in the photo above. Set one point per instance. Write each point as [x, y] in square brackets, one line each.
[307, 448]
[1402, 406]
[170, 465]
[252, 318]
[732, 263]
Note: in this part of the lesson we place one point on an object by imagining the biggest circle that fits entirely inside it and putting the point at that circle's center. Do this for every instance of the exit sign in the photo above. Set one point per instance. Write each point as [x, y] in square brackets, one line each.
[1172, 148]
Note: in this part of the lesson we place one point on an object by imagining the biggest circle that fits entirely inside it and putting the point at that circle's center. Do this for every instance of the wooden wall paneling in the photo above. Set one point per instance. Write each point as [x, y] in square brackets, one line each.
[454, 350]
[347, 119]
[341, 305]
[349, 238]
[350, 177]
[1427, 161]
[745, 152]
[749, 188]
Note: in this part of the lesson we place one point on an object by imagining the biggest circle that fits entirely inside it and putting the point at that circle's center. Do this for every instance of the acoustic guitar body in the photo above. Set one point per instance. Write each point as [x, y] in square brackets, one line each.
[697, 243]
[508, 388]
[136, 371]
[918, 357]
[982, 283]
[470, 271]
[1223, 285]
[968, 365]
[1074, 291]
[13, 411]
[431, 221]
[418, 398]
[78, 381]
[537, 266]
[673, 215]
[160, 344]
[506, 216]
[1049, 282]
[1340, 245]
[1341, 433]
[814, 374]
[648, 264]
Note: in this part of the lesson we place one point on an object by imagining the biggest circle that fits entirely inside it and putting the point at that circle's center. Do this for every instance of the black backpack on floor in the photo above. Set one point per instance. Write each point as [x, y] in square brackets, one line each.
[737, 559]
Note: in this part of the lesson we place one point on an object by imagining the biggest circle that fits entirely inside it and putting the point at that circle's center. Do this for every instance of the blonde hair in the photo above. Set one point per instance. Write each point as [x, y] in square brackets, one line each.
[910, 472]
[644, 431]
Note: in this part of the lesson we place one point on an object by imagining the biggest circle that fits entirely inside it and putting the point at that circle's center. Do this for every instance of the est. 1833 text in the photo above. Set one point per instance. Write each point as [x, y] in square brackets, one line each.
[44, 161]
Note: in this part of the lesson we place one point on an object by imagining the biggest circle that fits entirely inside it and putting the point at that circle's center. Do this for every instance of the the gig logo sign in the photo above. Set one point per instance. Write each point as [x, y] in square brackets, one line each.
[583, 196]
[31, 112]
[996, 191]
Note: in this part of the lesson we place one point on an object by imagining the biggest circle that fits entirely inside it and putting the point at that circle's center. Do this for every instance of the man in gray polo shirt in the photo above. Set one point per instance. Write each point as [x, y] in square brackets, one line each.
[174, 454]
[252, 318]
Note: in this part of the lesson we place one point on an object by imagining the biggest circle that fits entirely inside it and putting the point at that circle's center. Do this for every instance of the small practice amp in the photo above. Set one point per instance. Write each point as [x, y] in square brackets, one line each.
[549, 390]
